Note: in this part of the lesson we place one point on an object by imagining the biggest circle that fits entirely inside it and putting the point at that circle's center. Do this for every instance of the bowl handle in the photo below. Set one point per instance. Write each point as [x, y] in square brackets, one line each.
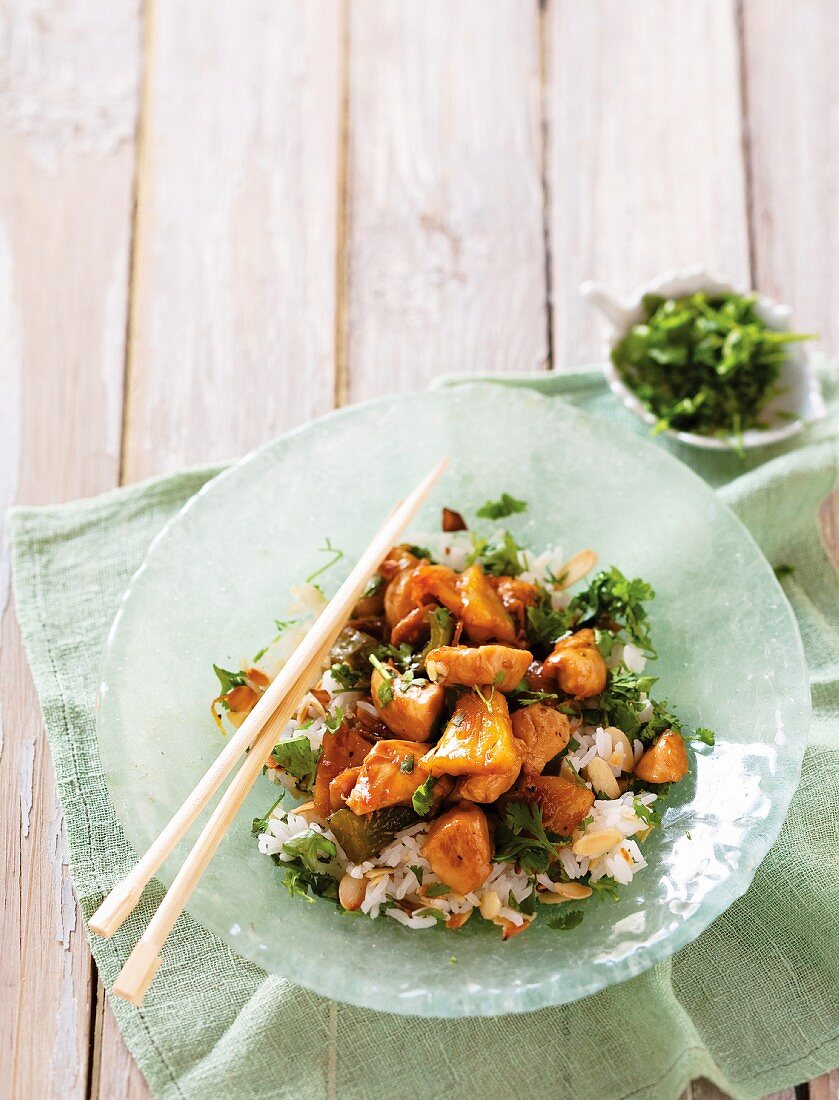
[614, 310]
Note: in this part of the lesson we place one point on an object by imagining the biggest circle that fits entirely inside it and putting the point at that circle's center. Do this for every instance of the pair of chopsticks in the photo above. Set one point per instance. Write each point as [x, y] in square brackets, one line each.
[258, 733]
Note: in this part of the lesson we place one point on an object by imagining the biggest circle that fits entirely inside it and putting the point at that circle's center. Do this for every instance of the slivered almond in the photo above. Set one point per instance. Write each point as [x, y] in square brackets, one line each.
[307, 811]
[596, 844]
[576, 568]
[490, 905]
[351, 892]
[602, 778]
[626, 762]
[566, 891]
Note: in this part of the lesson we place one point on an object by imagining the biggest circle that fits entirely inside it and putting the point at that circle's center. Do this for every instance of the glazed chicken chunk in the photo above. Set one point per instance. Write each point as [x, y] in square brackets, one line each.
[498, 665]
[390, 774]
[410, 710]
[459, 848]
[544, 731]
[577, 665]
[665, 761]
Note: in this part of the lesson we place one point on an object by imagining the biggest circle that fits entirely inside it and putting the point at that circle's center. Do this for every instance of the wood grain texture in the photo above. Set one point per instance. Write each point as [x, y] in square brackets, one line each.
[825, 1087]
[68, 83]
[232, 335]
[790, 49]
[701, 1089]
[445, 263]
[645, 164]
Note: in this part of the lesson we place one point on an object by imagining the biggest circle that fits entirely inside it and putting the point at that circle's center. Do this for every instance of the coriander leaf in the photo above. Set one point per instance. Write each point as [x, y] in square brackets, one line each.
[311, 848]
[385, 689]
[333, 721]
[335, 556]
[229, 680]
[407, 764]
[504, 506]
[520, 838]
[703, 734]
[374, 585]
[437, 890]
[563, 922]
[546, 626]
[297, 757]
[259, 825]
[420, 552]
[441, 622]
[647, 814]
[423, 799]
[283, 624]
[419, 872]
[299, 880]
[612, 598]
[498, 556]
[430, 911]
[346, 677]
[605, 885]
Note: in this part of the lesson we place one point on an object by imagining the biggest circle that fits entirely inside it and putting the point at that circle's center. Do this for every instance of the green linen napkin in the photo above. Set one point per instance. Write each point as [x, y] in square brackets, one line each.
[751, 1004]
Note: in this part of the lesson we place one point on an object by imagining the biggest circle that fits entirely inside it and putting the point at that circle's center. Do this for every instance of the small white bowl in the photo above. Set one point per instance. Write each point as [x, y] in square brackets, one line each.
[802, 398]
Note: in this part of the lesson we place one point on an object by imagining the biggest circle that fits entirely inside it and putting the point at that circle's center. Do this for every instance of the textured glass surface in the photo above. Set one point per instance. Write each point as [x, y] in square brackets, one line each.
[217, 577]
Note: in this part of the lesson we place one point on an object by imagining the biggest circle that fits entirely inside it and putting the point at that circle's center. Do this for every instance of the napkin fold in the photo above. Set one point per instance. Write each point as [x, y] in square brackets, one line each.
[752, 1004]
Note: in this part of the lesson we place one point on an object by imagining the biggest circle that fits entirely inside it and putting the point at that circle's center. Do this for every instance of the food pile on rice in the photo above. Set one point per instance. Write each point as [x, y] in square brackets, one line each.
[482, 741]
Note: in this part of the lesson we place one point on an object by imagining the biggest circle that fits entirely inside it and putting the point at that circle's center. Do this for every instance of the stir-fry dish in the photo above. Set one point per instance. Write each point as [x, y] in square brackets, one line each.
[483, 740]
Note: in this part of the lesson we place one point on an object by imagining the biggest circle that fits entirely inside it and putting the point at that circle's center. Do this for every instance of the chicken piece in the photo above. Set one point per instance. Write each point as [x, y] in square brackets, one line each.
[411, 628]
[459, 848]
[453, 521]
[390, 774]
[545, 731]
[399, 568]
[440, 583]
[578, 666]
[487, 788]
[478, 739]
[340, 787]
[483, 614]
[516, 595]
[345, 748]
[410, 710]
[537, 679]
[499, 665]
[665, 761]
[564, 801]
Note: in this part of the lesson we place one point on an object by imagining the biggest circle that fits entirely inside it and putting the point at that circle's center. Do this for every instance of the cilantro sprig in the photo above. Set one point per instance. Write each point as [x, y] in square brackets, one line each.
[521, 838]
[506, 505]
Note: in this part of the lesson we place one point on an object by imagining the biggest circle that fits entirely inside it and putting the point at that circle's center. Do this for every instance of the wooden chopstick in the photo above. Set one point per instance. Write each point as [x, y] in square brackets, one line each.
[283, 694]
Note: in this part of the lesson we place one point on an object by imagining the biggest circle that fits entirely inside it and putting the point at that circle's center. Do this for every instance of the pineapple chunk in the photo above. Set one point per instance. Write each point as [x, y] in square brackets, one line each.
[478, 739]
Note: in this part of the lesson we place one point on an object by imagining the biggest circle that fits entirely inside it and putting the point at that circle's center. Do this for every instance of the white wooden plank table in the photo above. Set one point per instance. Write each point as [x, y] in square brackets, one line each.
[217, 221]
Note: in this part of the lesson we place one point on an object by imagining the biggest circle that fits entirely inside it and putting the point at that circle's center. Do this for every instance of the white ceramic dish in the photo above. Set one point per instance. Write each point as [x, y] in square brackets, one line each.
[802, 398]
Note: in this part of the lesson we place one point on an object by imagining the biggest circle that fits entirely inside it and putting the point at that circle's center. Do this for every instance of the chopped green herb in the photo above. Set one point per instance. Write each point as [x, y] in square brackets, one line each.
[647, 814]
[441, 621]
[374, 585]
[407, 764]
[419, 872]
[498, 556]
[437, 890]
[346, 677]
[605, 885]
[297, 757]
[259, 825]
[486, 701]
[431, 911]
[703, 734]
[498, 679]
[283, 624]
[229, 680]
[423, 799]
[704, 363]
[564, 922]
[545, 625]
[521, 838]
[311, 848]
[260, 654]
[452, 959]
[612, 598]
[385, 689]
[333, 721]
[504, 506]
[335, 556]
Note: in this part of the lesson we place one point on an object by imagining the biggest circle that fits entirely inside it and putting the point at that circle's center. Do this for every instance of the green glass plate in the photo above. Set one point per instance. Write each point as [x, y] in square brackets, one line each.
[218, 576]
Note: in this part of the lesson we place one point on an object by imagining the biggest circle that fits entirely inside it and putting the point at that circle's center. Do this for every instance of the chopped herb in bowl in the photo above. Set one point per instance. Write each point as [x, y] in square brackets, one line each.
[706, 363]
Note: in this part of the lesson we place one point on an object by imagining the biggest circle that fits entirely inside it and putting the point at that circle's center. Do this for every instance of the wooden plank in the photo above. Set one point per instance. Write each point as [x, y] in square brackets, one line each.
[68, 81]
[233, 297]
[645, 164]
[445, 260]
[702, 1089]
[825, 1087]
[793, 104]
[232, 336]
